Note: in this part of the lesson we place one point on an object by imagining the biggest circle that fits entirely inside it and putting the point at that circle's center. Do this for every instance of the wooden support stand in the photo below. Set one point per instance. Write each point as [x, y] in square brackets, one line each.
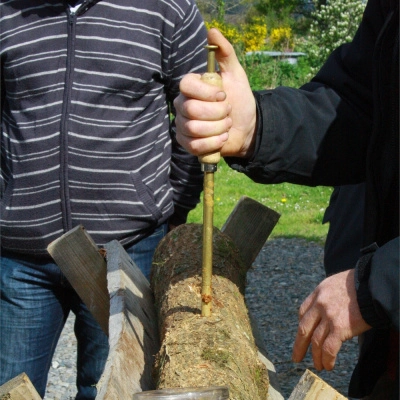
[19, 388]
[120, 298]
[134, 338]
[81, 262]
[249, 226]
[311, 387]
[125, 310]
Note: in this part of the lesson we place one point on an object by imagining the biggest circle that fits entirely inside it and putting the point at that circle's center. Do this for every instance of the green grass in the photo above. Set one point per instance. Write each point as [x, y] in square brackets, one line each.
[301, 207]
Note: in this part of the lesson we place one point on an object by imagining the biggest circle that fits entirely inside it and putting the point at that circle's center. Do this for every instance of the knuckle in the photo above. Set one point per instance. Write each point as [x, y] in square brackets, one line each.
[329, 349]
[302, 331]
[316, 341]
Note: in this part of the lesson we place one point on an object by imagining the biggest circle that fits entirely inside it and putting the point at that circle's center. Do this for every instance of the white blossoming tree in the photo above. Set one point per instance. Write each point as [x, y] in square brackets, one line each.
[334, 23]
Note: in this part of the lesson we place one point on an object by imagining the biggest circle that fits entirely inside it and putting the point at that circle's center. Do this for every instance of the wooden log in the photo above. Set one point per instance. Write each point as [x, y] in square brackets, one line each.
[19, 388]
[81, 262]
[204, 351]
[133, 338]
[311, 387]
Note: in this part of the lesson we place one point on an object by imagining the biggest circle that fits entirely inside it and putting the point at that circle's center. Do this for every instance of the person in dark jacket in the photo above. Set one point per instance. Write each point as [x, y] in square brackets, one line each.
[341, 128]
[87, 90]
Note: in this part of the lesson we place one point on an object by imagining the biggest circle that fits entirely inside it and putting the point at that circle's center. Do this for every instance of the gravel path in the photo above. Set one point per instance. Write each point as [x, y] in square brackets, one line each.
[284, 273]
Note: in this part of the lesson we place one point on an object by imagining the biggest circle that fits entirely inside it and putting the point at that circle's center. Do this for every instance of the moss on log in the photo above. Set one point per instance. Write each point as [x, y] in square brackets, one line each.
[204, 351]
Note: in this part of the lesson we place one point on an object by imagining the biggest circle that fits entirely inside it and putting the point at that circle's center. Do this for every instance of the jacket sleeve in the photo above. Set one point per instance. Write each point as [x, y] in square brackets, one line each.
[318, 134]
[377, 285]
[187, 55]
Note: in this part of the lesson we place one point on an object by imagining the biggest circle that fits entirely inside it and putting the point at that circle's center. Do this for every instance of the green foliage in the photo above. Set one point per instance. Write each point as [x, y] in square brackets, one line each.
[224, 10]
[265, 72]
[220, 10]
[280, 10]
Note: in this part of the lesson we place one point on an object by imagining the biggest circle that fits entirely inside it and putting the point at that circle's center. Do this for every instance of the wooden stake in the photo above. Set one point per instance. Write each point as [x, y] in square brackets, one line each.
[19, 388]
[311, 387]
[80, 261]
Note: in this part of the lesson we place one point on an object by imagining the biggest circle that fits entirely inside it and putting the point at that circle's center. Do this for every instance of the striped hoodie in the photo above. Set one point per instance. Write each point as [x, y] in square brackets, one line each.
[87, 136]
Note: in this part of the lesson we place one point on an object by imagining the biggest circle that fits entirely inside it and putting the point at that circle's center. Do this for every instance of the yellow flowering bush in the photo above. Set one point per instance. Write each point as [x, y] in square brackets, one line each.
[229, 31]
[249, 37]
[255, 35]
[281, 38]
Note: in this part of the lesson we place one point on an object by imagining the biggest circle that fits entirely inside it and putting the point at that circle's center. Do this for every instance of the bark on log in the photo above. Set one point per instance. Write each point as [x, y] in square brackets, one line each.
[204, 351]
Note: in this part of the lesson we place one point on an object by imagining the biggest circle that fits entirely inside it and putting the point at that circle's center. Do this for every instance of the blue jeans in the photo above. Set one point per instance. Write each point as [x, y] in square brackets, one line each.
[35, 302]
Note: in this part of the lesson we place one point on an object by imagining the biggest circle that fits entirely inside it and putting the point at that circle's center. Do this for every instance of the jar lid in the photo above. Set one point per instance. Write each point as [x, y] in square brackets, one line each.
[200, 393]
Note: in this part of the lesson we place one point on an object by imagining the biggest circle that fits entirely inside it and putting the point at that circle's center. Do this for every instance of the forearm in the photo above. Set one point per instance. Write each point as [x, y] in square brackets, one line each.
[306, 137]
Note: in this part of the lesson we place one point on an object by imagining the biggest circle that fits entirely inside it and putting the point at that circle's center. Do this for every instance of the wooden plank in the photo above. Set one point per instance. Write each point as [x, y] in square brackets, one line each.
[311, 387]
[249, 226]
[19, 388]
[134, 338]
[274, 389]
[80, 261]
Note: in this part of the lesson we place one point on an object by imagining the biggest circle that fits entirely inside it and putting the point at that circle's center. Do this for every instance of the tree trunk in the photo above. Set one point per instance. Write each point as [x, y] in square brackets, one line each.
[204, 351]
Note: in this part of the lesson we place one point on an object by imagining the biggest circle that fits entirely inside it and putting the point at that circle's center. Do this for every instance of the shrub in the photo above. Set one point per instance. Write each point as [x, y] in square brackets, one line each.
[231, 32]
[333, 24]
[255, 34]
[245, 37]
[281, 38]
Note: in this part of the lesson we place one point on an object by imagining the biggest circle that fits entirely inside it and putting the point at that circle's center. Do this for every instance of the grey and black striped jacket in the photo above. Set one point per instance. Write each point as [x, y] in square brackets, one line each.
[87, 136]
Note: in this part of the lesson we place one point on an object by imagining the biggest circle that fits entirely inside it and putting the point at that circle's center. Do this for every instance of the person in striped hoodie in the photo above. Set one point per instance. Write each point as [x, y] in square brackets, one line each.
[87, 139]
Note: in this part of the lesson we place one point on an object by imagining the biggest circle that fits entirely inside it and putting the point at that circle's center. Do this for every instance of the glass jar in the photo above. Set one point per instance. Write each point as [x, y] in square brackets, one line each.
[201, 393]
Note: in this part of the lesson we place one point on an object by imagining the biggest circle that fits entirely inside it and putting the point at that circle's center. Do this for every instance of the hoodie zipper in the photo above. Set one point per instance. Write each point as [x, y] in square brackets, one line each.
[65, 195]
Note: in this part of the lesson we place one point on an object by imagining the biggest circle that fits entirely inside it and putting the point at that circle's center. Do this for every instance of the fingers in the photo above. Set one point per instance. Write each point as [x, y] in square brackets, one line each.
[225, 54]
[325, 344]
[191, 86]
[191, 108]
[317, 343]
[308, 323]
[205, 113]
[202, 146]
[330, 350]
[327, 318]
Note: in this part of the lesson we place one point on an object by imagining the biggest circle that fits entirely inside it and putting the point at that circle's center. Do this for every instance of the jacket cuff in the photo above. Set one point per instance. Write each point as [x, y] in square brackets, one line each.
[364, 298]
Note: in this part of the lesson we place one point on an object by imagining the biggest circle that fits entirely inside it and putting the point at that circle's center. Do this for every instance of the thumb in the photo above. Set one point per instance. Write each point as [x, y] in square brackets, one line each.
[225, 54]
